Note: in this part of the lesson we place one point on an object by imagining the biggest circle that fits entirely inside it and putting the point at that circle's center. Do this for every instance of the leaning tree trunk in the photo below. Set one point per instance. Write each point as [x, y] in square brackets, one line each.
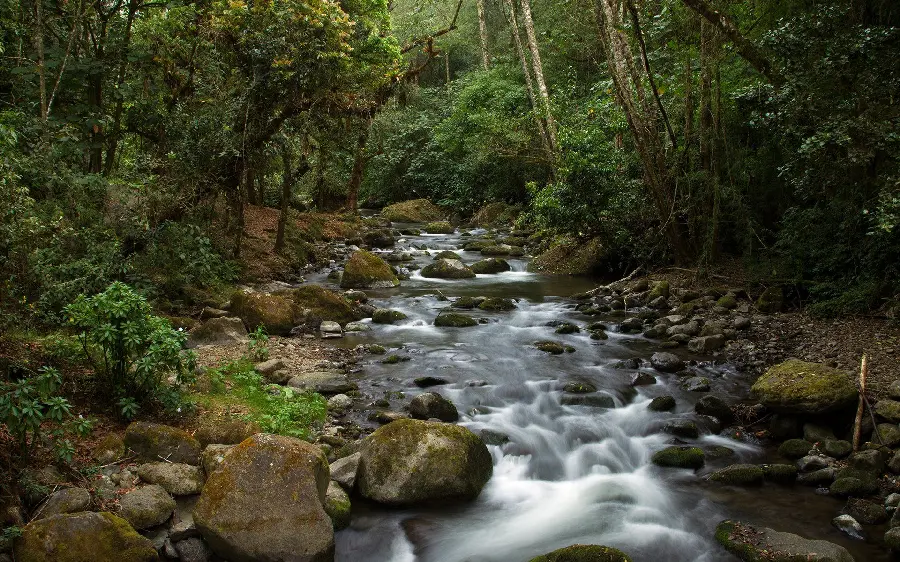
[482, 32]
[538, 71]
[359, 168]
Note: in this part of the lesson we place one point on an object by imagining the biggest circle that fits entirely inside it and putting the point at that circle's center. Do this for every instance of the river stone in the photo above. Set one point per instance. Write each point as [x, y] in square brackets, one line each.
[153, 441]
[447, 254]
[147, 506]
[795, 449]
[780, 473]
[265, 503]
[739, 475]
[454, 320]
[447, 269]
[866, 511]
[551, 347]
[579, 387]
[688, 330]
[491, 265]
[343, 471]
[330, 329]
[365, 270]
[756, 544]
[176, 478]
[497, 304]
[821, 477]
[598, 400]
[428, 381]
[433, 405]
[850, 486]
[491, 437]
[682, 428]
[696, 384]
[892, 501]
[213, 456]
[340, 403]
[410, 462]
[848, 525]
[892, 539]
[715, 407]
[894, 463]
[707, 344]
[337, 506]
[465, 303]
[642, 379]
[67, 500]
[666, 362]
[192, 549]
[353, 327]
[584, 553]
[662, 404]
[817, 433]
[323, 382]
[218, 331]
[810, 463]
[888, 410]
[387, 316]
[770, 301]
[797, 387]
[679, 457]
[837, 448]
[871, 461]
[893, 390]
[83, 537]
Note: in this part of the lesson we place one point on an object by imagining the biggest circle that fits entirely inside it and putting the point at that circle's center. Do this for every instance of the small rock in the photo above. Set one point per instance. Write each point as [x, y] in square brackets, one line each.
[871, 461]
[357, 327]
[888, 410]
[491, 437]
[662, 404]
[892, 501]
[343, 471]
[642, 379]
[822, 477]
[340, 403]
[682, 428]
[146, 507]
[579, 387]
[433, 405]
[892, 539]
[598, 400]
[848, 525]
[866, 511]
[176, 478]
[268, 368]
[696, 384]
[679, 457]
[330, 329]
[817, 433]
[814, 462]
[707, 344]
[741, 323]
[666, 362]
[337, 506]
[837, 448]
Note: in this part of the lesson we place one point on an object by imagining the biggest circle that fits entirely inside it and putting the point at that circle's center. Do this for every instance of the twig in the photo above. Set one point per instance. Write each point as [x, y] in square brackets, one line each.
[874, 424]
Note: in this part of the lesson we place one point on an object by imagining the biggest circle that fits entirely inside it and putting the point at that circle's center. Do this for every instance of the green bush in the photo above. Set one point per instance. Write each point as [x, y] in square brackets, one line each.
[133, 352]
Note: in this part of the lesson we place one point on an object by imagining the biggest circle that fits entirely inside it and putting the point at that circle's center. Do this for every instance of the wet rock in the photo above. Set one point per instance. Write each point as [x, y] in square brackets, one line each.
[365, 270]
[415, 210]
[892, 501]
[551, 347]
[849, 526]
[440, 227]
[707, 344]
[814, 462]
[642, 379]
[679, 457]
[277, 313]
[579, 387]
[454, 320]
[888, 410]
[797, 387]
[497, 250]
[387, 316]
[682, 428]
[218, 331]
[176, 478]
[323, 382]
[385, 417]
[340, 403]
[689, 329]
[817, 433]
[447, 269]
[146, 507]
[866, 511]
[844, 487]
[447, 255]
[228, 431]
[626, 363]
[381, 238]
[892, 539]
[491, 437]
[821, 477]
[662, 404]
[893, 390]
[739, 475]
[497, 304]
[660, 289]
[666, 362]
[410, 462]
[715, 407]
[355, 327]
[427, 381]
[795, 448]
[889, 433]
[696, 384]
[491, 266]
[584, 553]
[837, 448]
[83, 537]
[337, 506]
[780, 473]
[433, 405]
[67, 500]
[567, 328]
[153, 441]
[213, 456]
[598, 400]
[753, 544]
[192, 550]
[784, 427]
[344, 470]
[265, 503]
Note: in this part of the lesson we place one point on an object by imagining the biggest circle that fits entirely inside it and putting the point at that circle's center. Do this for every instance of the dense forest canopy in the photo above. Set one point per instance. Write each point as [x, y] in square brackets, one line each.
[134, 133]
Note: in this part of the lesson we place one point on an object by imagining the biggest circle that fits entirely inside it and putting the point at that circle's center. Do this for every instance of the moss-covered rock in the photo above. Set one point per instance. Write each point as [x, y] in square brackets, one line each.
[147, 506]
[112, 447]
[277, 313]
[660, 289]
[584, 553]
[771, 300]
[497, 304]
[551, 347]
[447, 269]
[415, 210]
[888, 410]
[224, 431]
[177, 479]
[477, 245]
[465, 303]
[447, 255]
[337, 506]
[379, 238]
[851, 486]
[679, 457]
[752, 544]
[67, 500]
[317, 303]
[571, 256]
[739, 475]
[727, 301]
[495, 213]
[567, 328]
[432, 405]
[152, 441]
[662, 404]
[780, 473]
[365, 270]
[387, 316]
[496, 250]
[217, 331]
[409, 462]
[83, 537]
[491, 265]
[454, 320]
[794, 448]
[441, 227]
[265, 502]
[797, 387]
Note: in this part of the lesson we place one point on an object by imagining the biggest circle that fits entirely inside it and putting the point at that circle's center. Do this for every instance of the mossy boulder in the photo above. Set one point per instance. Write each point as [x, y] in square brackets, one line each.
[316, 303]
[218, 331]
[410, 462]
[414, 210]
[154, 441]
[551, 347]
[147, 506]
[770, 301]
[780, 473]
[888, 410]
[660, 289]
[83, 537]
[496, 250]
[224, 431]
[798, 387]
[365, 270]
[277, 313]
[679, 457]
[739, 475]
[441, 227]
[570, 256]
[447, 255]
[112, 447]
[447, 269]
[662, 404]
[454, 320]
[379, 238]
[477, 245]
[727, 301]
[465, 303]
[852, 486]
[794, 448]
[177, 479]
[752, 544]
[265, 502]
[491, 265]
[387, 316]
[495, 213]
[584, 553]
[433, 405]
[497, 304]
[337, 506]
[67, 500]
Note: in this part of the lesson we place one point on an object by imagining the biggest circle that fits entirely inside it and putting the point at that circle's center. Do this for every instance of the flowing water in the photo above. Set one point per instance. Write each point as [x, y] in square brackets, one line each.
[568, 474]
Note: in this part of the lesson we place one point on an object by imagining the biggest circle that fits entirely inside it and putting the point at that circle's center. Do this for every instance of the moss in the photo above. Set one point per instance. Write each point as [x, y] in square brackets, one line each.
[687, 308]
[570, 256]
[732, 535]
[337, 506]
[567, 328]
[739, 475]
[277, 313]
[442, 227]
[454, 320]
[660, 289]
[552, 347]
[662, 404]
[366, 270]
[806, 388]
[387, 316]
[375, 349]
[849, 486]
[465, 302]
[679, 457]
[447, 255]
[83, 536]
[491, 265]
[584, 553]
[794, 448]
[447, 269]
[415, 210]
[727, 301]
[599, 335]
[771, 300]
[477, 245]
[152, 440]
[394, 359]
[497, 304]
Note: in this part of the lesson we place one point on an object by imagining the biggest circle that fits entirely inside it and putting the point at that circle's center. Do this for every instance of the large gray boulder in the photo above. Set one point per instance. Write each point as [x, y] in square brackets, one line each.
[83, 537]
[264, 502]
[756, 544]
[154, 442]
[797, 387]
[218, 331]
[447, 269]
[176, 478]
[410, 462]
[147, 506]
[67, 500]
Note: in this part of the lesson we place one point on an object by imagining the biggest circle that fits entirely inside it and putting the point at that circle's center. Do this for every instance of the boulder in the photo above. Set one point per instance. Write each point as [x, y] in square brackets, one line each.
[715, 407]
[660, 289]
[584, 553]
[755, 544]
[707, 344]
[770, 301]
[454, 320]
[739, 475]
[662, 404]
[176, 478]
[272, 370]
[192, 549]
[892, 539]
[642, 379]
[817, 433]
[277, 313]
[797, 387]
[888, 410]
[147, 506]
[439, 227]
[851, 486]
[429, 381]
[847, 524]
[379, 238]
[227, 431]
[67, 500]
[153, 442]
[323, 382]
[265, 503]
[337, 506]
[316, 303]
[340, 403]
[490, 266]
[218, 331]
[110, 449]
[213, 456]
[867, 511]
[497, 250]
[551, 347]
[343, 471]
[679, 457]
[666, 362]
[685, 429]
[598, 400]
[497, 304]
[696, 384]
[387, 316]
[780, 473]
[329, 329]
[447, 269]
[415, 210]
[795, 449]
[410, 462]
[433, 405]
[889, 434]
[365, 270]
[83, 537]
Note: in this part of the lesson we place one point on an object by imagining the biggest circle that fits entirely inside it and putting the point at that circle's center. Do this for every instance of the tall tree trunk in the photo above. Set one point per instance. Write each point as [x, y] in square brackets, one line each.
[482, 31]
[113, 138]
[359, 167]
[538, 71]
[706, 119]
[287, 181]
[39, 46]
[526, 71]
[688, 115]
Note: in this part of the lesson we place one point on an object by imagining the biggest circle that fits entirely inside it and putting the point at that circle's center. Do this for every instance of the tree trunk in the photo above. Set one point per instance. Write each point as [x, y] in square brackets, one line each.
[538, 71]
[287, 181]
[359, 167]
[526, 71]
[39, 46]
[688, 115]
[113, 139]
[706, 119]
[482, 31]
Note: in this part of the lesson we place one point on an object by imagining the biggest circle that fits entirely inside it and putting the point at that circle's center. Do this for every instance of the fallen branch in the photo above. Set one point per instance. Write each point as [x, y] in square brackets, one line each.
[857, 424]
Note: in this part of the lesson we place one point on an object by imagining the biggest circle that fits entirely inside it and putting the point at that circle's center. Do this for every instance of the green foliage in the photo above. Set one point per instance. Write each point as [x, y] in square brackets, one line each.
[258, 346]
[133, 352]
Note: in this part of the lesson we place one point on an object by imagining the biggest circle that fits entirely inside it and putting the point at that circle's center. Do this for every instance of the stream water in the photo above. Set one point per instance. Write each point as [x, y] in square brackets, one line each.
[568, 474]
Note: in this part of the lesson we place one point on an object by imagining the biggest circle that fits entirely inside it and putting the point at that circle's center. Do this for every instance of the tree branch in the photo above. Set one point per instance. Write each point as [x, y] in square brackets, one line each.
[429, 38]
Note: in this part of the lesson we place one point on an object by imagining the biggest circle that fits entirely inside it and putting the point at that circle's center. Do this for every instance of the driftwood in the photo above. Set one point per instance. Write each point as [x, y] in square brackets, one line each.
[857, 424]
[615, 285]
